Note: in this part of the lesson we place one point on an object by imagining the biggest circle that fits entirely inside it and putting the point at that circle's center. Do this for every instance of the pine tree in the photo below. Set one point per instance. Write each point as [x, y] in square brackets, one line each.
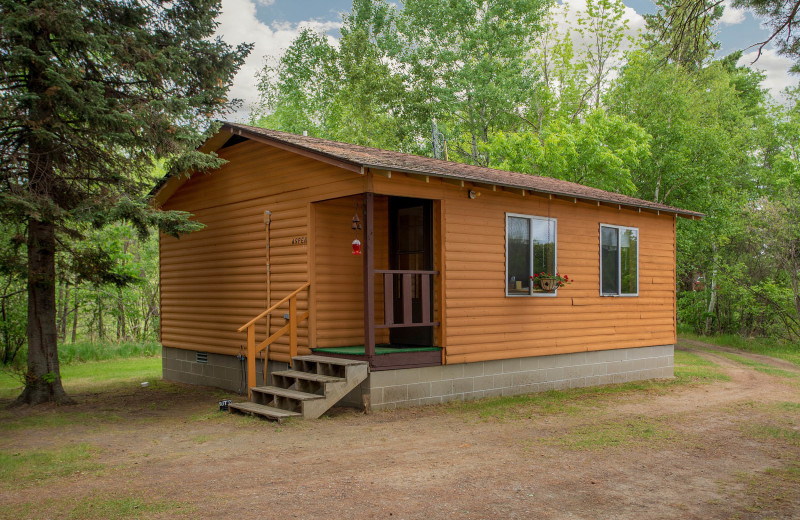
[92, 93]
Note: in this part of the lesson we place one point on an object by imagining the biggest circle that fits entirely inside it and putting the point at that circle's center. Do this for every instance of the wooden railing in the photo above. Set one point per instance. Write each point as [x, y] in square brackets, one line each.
[291, 327]
[410, 282]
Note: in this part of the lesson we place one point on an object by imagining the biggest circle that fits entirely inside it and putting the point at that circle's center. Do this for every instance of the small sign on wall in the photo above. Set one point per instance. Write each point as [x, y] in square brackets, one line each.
[300, 241]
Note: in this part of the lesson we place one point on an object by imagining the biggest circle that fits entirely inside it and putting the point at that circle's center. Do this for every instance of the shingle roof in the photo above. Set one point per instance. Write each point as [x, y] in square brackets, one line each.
[366, 157]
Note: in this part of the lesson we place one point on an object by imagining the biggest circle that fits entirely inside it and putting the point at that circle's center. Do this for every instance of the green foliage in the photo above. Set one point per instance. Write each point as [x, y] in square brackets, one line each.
[464, 64]
[601, 151]
[468, 66]
[685, 30]
[95, 94]
[83, 351]
[349, 93]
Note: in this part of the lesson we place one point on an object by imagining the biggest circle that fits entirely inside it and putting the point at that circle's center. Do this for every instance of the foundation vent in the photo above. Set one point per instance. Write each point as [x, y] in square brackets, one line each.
[202, 357]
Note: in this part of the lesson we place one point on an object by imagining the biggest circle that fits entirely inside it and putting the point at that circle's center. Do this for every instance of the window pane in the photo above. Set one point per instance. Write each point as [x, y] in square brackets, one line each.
[628, 251]
[519, 255]
[544, 247]
[608, 260]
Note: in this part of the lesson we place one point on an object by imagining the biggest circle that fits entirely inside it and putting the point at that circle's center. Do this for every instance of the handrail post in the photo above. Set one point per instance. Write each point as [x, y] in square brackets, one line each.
[292, 329]
[251, 358]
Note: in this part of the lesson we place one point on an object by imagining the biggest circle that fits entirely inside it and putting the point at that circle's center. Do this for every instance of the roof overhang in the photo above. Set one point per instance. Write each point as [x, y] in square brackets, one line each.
[168, 186]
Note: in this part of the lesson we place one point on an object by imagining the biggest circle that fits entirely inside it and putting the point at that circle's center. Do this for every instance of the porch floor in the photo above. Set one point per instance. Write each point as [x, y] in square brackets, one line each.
[387, 356]
[381, 349]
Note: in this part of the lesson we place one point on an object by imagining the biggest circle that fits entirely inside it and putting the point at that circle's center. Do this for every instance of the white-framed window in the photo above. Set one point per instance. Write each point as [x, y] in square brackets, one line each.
[530, 248]
[619, 260]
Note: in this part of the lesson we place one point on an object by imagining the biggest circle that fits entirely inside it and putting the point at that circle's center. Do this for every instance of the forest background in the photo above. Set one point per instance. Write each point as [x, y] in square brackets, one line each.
[502, 84]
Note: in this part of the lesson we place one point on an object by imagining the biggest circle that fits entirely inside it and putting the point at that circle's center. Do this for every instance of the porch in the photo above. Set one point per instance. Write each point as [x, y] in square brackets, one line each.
[395, 285]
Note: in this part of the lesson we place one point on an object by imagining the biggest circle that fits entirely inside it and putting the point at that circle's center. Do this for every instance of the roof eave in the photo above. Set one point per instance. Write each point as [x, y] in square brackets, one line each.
[676, 211]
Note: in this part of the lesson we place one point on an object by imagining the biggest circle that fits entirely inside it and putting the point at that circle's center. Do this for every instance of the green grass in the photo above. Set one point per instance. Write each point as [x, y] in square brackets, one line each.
[770, 493]
[85, 376]
[770, 431]
[23, 467]
[690, 367]
[612, 434]
[760, 367]
[98, 507]
[53, 421]
[765, 346]
[83, 351]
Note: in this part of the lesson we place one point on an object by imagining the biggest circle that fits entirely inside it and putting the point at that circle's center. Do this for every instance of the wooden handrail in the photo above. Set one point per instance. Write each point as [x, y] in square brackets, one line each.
[264, 313]
[403, 271]
[290, 327]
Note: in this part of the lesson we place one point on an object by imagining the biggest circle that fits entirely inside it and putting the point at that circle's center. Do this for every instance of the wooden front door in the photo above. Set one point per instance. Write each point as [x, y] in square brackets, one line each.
[411, 248]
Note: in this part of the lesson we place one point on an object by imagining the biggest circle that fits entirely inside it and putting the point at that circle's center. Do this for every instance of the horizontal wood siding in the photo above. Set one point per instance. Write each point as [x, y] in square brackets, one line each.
[214, 280]
[484, 324]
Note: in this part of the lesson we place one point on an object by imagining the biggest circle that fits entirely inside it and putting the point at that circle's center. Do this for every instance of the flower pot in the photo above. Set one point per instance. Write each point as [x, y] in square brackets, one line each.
[548, 284]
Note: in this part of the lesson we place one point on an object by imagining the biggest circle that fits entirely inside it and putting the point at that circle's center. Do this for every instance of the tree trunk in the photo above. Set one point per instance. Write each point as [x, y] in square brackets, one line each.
[59, 313]
[712, 303]
[62, 328]
[75, 319]
[121, 332]
[43, 378]
[101, 330]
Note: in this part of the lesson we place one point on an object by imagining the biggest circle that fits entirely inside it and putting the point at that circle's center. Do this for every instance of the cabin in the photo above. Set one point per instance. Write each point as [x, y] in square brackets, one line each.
[425, 280]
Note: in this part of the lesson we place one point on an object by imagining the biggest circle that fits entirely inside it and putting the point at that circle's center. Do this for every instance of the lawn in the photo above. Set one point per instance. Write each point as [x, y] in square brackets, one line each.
[93, 375]
[788, 351]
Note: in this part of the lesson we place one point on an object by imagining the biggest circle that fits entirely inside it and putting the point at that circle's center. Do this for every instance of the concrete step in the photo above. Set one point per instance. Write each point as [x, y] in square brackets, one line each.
[284, 392]
[330, 360]
[267, 412]
[319, 378]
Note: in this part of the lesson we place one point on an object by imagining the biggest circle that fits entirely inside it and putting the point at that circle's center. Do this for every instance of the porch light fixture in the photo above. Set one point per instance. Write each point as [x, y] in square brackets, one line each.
[473, 194]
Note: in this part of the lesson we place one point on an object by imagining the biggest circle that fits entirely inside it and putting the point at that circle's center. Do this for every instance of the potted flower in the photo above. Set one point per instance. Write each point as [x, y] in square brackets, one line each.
[550, 282]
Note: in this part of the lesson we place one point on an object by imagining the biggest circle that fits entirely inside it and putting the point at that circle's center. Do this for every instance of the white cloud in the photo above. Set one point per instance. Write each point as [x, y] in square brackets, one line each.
[238, 23]
[574, 8]
[731, 15]
[567, 20]
[775, 67]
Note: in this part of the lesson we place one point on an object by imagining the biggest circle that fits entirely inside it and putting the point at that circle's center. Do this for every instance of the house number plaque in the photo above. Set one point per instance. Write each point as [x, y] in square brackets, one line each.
[299, 241]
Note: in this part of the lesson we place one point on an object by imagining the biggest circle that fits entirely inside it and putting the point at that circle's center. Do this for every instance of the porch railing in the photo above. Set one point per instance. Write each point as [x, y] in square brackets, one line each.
[411, 285]
[291, 327]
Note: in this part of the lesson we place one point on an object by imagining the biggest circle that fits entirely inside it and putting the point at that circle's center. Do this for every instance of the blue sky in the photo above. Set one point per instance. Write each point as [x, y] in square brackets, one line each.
[273, 24]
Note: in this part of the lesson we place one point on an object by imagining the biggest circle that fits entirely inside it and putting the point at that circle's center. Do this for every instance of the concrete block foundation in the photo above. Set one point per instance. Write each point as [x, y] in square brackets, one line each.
[221, 371]
[439, 384]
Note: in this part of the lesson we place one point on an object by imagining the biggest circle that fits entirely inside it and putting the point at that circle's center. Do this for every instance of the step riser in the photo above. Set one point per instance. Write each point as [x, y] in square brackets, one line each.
[301, 385]
[324, 369]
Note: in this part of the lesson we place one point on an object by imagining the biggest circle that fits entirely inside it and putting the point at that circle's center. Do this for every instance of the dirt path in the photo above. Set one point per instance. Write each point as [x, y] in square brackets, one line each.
[729, 449]
[690, 345]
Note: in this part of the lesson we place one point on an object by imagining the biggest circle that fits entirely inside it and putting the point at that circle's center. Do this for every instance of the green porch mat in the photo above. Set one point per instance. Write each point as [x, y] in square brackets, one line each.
[358, 350]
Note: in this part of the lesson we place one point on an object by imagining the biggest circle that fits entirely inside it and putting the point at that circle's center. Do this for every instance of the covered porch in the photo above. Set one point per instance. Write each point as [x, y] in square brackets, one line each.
[393, 280]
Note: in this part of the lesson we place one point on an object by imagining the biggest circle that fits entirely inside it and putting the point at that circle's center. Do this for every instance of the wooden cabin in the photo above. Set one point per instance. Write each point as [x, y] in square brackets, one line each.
[439, 300]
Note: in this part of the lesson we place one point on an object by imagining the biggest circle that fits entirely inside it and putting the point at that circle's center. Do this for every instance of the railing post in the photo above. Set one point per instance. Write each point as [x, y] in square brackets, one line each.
[292, 329]
[425, 294]
[369, 274]
[251, 358]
